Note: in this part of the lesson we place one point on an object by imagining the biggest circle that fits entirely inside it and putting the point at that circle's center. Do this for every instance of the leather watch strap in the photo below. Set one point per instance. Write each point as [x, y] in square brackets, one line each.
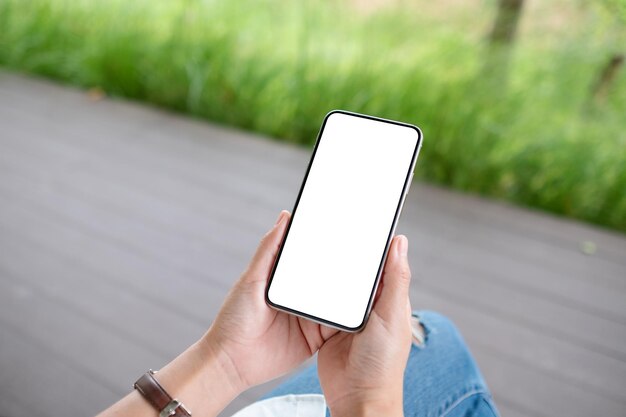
[152, 391]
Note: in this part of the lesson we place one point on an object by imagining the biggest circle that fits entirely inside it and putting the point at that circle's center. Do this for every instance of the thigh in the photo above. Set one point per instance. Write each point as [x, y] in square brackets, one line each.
[303, 382]
[441, 377]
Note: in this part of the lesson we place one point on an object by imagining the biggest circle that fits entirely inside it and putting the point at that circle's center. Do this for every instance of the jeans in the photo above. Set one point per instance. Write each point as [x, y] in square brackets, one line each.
[441, 377]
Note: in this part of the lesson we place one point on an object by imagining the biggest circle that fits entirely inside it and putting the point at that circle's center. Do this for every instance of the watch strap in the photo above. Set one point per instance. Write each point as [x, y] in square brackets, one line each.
[153, 392]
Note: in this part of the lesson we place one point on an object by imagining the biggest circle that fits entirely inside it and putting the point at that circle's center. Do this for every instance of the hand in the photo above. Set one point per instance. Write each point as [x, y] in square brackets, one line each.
[362, 373]
[257, 343]
[247, 344]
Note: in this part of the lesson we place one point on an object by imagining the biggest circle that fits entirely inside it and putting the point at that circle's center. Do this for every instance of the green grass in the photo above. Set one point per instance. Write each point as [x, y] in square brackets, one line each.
[278, 67]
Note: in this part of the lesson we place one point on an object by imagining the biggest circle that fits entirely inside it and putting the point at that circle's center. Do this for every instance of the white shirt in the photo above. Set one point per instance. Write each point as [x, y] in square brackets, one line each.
[301, 405]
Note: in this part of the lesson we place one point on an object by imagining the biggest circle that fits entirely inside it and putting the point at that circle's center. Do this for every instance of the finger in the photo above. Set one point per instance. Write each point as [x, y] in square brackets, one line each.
[327, 332]
[315, 334]
[396, 279]
[261, 264]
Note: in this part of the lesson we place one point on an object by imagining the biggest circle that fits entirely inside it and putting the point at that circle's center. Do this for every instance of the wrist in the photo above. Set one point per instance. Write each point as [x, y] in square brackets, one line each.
[367, 410]
[218, 363]
[200, 379]
[366, 407]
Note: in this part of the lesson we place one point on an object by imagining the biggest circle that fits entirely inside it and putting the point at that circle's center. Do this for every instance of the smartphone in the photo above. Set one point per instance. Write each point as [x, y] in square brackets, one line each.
[332, 255]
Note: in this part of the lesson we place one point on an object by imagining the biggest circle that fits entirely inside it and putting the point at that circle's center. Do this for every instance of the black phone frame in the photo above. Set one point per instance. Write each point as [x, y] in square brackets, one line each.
[407, 180]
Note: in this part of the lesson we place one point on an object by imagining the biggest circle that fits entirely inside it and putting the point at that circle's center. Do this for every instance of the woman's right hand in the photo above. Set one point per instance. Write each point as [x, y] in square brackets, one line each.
[362, 373]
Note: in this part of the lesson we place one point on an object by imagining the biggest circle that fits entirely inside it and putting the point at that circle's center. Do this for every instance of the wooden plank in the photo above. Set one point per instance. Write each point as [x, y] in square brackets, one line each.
[218, 214]
[42, 320]
[207, 227]
[243, 146]
[167, 251]
[524, 222]
[26, 311]
[44, 175]
[13, 405]
[508, 409]
[117, 266]
[568, 261]
[90, 294]
[455, 244]
[572, 325]
[143, 147]
[47, 388]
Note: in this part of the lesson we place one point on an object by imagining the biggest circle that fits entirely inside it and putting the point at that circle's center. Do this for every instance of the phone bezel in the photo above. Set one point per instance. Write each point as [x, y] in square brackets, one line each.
[407, 183]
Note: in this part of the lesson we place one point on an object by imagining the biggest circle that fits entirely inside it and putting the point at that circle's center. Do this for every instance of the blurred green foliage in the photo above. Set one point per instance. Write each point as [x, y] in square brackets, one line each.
[278, 67]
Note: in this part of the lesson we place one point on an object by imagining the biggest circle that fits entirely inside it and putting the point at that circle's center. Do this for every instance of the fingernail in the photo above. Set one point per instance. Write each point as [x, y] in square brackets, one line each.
[280, 218]
[403, 246]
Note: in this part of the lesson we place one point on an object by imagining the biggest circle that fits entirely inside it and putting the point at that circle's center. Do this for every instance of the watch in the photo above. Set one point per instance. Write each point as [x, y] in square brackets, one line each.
[152, 391]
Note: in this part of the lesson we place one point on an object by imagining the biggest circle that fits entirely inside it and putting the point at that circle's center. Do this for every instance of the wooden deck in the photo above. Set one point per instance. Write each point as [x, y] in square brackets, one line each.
[109, 209]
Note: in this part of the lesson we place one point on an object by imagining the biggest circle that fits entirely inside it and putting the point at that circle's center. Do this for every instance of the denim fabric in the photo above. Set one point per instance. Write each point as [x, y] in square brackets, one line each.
[441, 377]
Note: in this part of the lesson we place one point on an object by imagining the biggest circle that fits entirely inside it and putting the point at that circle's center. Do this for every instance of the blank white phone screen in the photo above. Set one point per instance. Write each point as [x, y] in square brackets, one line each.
[331, 256]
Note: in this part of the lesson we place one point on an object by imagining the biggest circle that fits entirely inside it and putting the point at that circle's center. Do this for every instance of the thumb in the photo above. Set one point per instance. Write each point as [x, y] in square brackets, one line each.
[261, 264]
[396, 279]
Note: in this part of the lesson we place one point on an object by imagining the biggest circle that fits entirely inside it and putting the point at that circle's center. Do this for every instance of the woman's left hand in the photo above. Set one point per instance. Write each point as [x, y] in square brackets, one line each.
[254, 342]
